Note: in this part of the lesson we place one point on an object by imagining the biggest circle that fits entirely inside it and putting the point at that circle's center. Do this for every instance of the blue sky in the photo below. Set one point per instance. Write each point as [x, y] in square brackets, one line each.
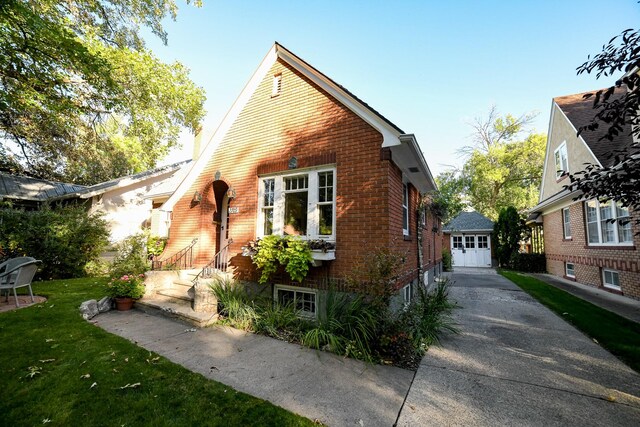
[430, 67]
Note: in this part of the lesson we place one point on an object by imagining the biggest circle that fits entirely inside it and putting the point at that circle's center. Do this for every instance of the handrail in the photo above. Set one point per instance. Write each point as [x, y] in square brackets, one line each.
[181, 260]
[220, 262]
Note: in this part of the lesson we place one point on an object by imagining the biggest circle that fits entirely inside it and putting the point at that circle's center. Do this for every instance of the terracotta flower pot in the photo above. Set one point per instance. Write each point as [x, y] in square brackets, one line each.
[124, 303]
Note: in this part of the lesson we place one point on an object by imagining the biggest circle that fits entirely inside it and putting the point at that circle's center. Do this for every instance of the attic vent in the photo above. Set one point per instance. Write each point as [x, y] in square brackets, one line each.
[277, 85]
[414, 169]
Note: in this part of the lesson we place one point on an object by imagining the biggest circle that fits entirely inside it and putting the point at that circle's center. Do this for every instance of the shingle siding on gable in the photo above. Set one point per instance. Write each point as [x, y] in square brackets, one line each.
[305, 122]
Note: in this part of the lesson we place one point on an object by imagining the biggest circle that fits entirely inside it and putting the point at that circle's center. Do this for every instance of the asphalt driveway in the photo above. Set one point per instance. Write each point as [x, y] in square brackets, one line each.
[517, 363]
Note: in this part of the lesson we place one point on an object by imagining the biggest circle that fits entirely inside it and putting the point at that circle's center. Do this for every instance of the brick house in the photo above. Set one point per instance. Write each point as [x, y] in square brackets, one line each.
[580, 243]
[294, 138]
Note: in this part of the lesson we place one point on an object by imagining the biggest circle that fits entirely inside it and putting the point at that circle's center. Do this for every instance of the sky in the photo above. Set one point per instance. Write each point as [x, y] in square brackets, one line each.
[431, 67]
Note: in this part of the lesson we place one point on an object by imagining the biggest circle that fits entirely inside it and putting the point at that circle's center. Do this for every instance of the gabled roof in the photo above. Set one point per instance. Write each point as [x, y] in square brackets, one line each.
[32, 189]
[469, 221]
[404, 147]
[580, 112]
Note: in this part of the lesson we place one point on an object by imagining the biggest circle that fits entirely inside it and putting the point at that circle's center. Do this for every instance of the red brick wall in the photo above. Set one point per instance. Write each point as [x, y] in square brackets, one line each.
[306, 122]
[589, 261]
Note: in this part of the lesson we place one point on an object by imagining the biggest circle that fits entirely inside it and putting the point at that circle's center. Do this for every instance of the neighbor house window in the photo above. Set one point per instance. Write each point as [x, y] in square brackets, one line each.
[483, 242]
[457, 242]
[569, 270]
[406, 294]
[566, 223]
[302, 300]
[561, 159]
[405, 209]
[298, 204]
[611, 279]
[277, 85]
[607, 223]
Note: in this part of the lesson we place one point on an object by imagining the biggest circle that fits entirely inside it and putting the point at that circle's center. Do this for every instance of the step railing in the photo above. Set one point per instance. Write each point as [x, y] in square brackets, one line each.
[181, 260]
[219, 263]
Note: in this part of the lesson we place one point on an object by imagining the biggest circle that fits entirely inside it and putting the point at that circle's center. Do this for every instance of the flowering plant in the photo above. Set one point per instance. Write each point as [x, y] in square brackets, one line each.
[129, 285]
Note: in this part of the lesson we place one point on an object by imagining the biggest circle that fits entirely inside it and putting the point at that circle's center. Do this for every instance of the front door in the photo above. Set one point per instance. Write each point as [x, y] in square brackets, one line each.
[224, 223]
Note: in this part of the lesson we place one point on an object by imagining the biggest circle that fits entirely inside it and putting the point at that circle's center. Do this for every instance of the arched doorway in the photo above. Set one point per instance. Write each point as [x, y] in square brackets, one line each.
[221, 215]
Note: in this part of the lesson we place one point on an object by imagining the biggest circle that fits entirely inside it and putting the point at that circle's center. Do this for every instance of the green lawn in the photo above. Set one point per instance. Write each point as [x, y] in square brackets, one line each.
[57, 369]
[617, 334]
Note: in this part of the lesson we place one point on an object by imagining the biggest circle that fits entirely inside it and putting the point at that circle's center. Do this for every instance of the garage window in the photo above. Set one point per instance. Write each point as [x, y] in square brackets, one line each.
[483, 242]
[457, 242]
[469, 242]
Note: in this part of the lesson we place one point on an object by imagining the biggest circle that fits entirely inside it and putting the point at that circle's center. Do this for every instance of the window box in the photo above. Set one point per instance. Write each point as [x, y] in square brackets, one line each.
[319, 255]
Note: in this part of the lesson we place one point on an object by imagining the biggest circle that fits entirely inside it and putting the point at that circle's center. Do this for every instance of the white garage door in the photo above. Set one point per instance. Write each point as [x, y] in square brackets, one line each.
[470, 250]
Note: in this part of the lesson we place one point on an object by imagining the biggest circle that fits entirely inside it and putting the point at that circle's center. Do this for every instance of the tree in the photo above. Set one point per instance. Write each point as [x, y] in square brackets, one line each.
[507, 232]
[621, 180]
[450, 195]
[501, 169]
[81, 98]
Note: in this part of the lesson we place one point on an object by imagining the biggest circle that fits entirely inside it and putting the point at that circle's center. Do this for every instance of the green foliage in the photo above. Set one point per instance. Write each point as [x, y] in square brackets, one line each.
[81, 98]
[376, 276]
[529, 263]
[346, 326]
[131, 257]
[449, 197]
[234, 303]
[54, 337]
[66, 239]
[155, 245]
[617, 334]
[289, 251]
[507, 233]
[129, 285]
[447, 260]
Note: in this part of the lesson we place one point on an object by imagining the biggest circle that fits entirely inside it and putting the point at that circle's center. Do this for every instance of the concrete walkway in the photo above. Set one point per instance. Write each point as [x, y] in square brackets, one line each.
[317, 385]
[517, 363]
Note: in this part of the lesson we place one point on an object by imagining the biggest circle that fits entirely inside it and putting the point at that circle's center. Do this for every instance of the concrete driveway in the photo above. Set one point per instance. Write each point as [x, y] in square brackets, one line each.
[517, 363]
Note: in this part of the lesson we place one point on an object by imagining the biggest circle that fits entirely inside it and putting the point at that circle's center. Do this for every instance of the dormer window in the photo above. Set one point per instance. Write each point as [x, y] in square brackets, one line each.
[277, 85]
[562, 161]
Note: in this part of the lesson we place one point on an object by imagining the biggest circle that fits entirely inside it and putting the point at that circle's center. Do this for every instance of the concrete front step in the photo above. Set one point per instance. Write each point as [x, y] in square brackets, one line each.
[177, 294]
[163, 306]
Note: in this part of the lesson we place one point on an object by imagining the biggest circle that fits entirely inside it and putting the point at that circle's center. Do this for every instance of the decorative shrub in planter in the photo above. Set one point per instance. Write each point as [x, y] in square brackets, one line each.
[125, 290]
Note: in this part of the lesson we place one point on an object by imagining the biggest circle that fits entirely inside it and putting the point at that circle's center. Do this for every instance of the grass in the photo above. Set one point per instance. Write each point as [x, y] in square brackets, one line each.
[58, 369]
[615, 333]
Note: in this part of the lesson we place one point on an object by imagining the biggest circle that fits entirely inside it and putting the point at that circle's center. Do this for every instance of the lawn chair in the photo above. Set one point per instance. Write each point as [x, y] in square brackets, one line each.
[8, 265]
[19, 276]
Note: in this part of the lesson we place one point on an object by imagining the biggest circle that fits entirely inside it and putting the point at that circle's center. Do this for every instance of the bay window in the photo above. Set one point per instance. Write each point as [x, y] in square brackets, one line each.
[608, 223]
[300, 203]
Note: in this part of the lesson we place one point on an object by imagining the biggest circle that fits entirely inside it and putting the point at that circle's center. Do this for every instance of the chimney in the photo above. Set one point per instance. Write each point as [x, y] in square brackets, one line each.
[197, 143]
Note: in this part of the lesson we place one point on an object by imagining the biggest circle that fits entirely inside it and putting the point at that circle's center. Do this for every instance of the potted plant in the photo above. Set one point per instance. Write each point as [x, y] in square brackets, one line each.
[125, 290]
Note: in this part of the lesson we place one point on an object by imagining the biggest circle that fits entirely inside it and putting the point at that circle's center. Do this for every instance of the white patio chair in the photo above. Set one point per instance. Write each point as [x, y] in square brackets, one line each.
[18, 277]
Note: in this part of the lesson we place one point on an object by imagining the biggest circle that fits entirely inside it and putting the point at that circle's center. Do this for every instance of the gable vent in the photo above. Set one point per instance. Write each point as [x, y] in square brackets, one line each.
[414, 169]
[277, 85]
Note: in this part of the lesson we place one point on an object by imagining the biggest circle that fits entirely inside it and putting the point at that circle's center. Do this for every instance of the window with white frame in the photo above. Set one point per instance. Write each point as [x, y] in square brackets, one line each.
[300, 204]
[405, 209]
[566, 223]
[611, 279]
[406, 294]
[469, 242]
[457, 242]
[483, 242]
[608, 223]
[302, 300]
[561, 159]
[569, 269]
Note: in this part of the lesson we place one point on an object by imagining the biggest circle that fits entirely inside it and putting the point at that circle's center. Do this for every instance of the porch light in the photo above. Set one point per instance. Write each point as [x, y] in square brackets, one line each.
[231, 193]
[197, 197]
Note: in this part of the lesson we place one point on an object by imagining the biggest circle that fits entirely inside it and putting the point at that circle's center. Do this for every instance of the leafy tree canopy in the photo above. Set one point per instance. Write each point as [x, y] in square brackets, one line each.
[502, 168]
[620, 181]
[81, 98]
[450, 195]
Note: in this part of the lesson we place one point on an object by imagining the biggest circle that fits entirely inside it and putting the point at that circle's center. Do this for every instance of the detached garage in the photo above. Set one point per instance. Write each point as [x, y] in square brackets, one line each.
[468, 237]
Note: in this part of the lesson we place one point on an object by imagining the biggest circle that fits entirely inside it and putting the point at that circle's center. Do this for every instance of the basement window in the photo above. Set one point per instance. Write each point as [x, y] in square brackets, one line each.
[611, 279]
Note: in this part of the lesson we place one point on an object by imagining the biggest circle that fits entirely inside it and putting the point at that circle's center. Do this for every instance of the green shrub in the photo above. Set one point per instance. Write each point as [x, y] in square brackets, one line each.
[66, 238]
[447, 260]
[507, 232]
[131, 257]
[234, 303]
[528, 263]
[273, 251]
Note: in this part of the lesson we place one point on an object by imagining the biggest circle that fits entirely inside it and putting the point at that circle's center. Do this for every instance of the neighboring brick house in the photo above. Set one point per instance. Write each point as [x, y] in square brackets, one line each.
[468, 238]
[580, 243]
[296, 138]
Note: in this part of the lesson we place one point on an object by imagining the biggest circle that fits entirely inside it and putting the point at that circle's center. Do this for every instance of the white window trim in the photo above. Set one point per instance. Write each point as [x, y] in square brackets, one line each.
[562, 149]
[405, 208]
[472, 240]
[610, 285]
[313, 213]
[599, 223]
[299, 290]
[564, 223]
[566, 270]
[478, 241]
[406, 294]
